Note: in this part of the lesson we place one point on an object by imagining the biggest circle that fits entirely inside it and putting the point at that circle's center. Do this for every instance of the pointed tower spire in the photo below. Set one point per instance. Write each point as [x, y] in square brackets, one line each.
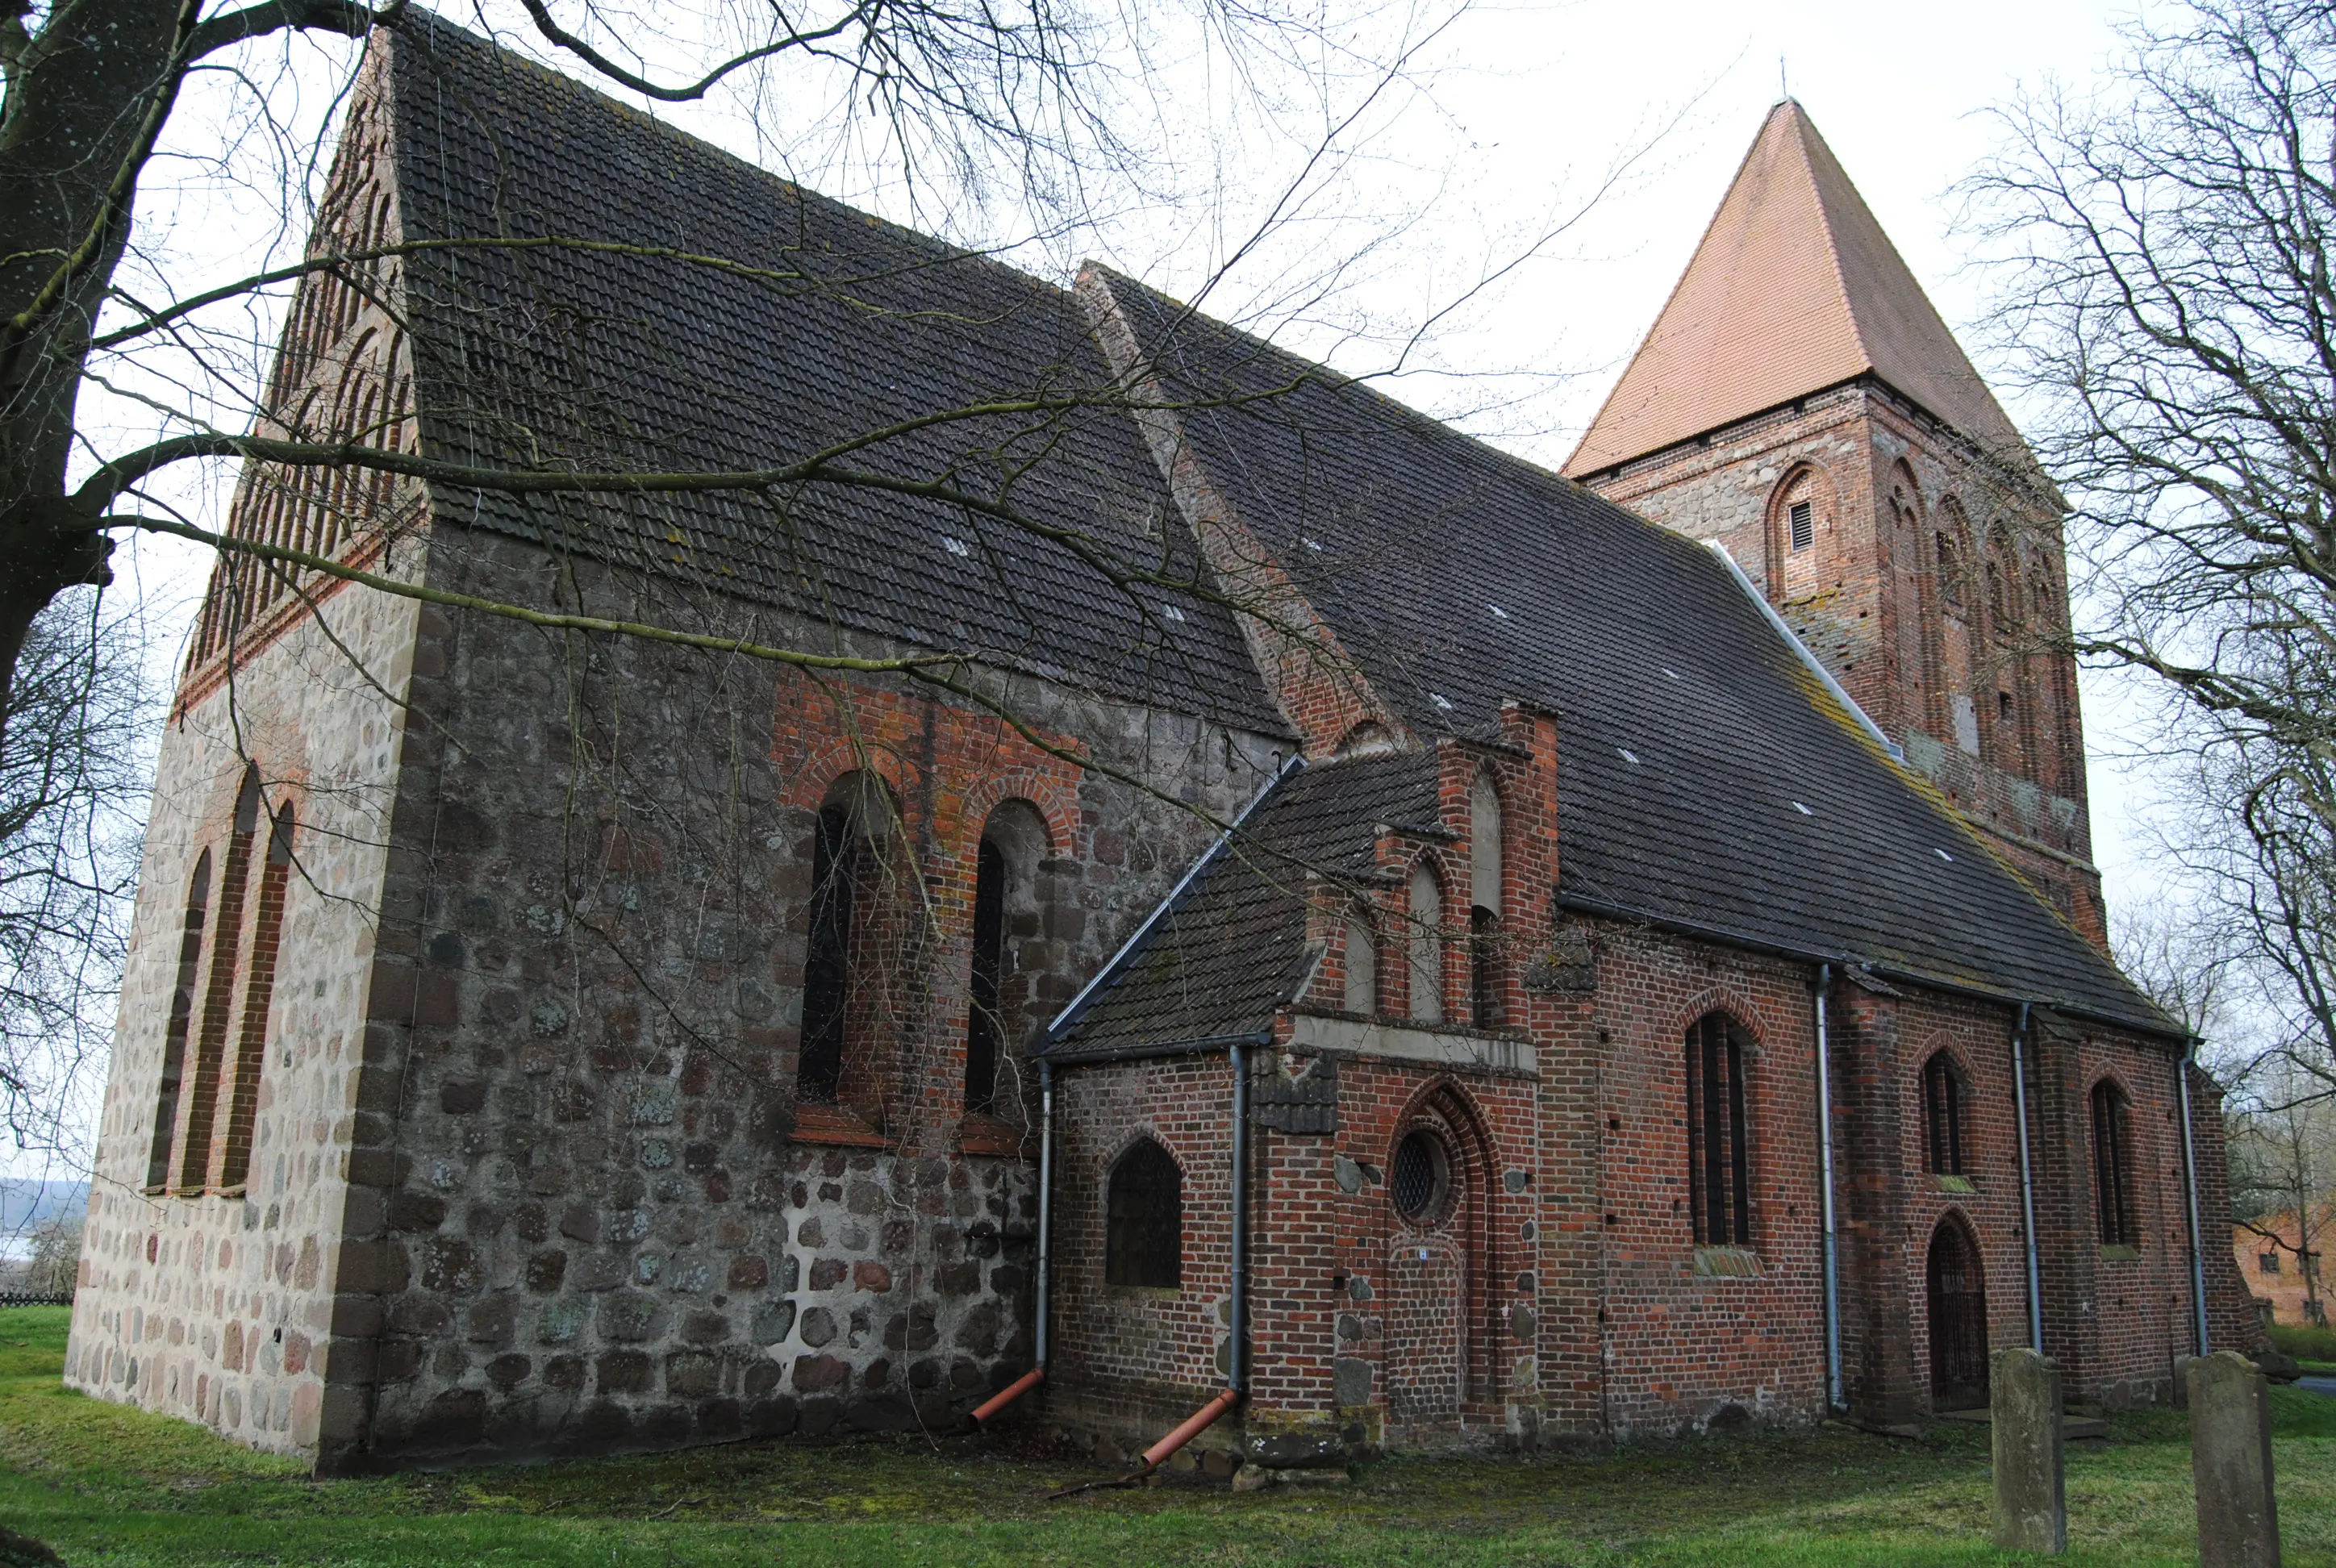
[1795, 288]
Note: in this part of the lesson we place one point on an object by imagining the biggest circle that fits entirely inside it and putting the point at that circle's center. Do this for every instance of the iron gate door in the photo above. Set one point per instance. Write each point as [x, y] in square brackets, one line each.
[1958, 1321]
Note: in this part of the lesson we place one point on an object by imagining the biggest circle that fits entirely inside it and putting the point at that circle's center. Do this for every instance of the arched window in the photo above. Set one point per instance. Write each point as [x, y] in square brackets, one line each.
[1485, 907]
[259, 995]
[203, 1087]
[2113, 1166]
[840, 863]
[983, 1027]
[2040, 600]
[1905, 497]
[1362, 967]
[1951, 572]
[182, 1012]
[1946, 1111]
[1719, 1179]
[1144, 1225]
[1006, 877]
[1426, 946]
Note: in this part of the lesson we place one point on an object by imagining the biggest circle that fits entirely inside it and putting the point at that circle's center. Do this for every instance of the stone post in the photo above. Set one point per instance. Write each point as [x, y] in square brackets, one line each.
[2230, 1462]
[2031, 1508]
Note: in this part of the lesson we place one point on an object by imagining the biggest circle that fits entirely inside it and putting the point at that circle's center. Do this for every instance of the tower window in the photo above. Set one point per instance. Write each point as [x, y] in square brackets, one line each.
[1143, 1241]
[1951, 572]
[1802, 517]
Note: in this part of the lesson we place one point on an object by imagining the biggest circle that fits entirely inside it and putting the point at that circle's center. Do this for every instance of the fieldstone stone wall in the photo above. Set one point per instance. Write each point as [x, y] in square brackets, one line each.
[603, 1223]
[225, 1308]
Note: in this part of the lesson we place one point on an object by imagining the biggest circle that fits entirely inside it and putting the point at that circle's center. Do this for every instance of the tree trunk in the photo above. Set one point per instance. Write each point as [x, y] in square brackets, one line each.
[82, 95]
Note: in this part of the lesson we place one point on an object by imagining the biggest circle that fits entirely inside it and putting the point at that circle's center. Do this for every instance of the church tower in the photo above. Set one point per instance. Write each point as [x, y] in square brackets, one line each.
[1800, 401]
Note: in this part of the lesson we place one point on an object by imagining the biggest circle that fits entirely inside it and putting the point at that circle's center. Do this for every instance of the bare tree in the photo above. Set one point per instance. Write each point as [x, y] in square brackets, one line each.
[2283, 1175]
[2163, 251]
[72, 797]
[2182, 963]
[960, 95]
[1037, 108]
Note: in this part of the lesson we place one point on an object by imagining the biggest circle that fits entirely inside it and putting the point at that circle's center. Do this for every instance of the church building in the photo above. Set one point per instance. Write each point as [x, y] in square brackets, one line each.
[1109, 874]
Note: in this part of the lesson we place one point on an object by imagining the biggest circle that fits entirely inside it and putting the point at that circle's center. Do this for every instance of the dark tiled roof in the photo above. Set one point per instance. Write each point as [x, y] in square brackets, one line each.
[1705, 778]
[570, 358]
[1225, 958]
[1405, 535]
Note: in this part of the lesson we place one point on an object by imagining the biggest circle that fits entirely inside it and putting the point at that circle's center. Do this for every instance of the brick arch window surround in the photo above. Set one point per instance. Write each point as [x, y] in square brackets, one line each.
[1144, 1219]
[1800, 509]
[1719, 1176]
[1484, 830]
[201, 1091]
[2001, 573]
[174, 1037]
[1905, 500]
[1950, 572]
[258, 998]
[2112, 1195]
[844, 884]
[1005, 904]
[1946, 1114]
[1425, 940]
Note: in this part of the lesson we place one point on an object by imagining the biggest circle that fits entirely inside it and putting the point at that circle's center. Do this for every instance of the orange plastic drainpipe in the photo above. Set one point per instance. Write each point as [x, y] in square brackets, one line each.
[1008, 1395]
[1196, 1423]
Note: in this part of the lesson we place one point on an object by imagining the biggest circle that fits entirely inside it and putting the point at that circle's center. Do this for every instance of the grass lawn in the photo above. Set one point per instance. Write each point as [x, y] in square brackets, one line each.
[105, 1485]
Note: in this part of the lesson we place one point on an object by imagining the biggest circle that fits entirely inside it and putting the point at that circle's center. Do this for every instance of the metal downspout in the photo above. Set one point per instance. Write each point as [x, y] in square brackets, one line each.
[2027, 1181]
[2190, 1195]
[1237, 1361]
[1832, 1239]
[1045, 1211]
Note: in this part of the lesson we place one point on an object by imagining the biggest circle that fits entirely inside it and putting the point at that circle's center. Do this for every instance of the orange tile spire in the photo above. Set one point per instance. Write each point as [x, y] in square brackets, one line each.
[1795, 288]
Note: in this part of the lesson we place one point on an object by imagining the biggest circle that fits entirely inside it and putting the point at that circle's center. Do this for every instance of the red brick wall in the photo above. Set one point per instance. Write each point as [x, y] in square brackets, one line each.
[1575, 1209]
[1885, 480]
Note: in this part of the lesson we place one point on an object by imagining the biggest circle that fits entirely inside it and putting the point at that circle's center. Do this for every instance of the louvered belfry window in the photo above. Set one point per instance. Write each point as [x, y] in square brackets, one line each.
[1143, 1229]
[1719, 1171]
[1802, 517]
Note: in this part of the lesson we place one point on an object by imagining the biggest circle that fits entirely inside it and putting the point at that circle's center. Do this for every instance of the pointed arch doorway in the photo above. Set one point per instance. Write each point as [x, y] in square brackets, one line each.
[1958, 1297]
